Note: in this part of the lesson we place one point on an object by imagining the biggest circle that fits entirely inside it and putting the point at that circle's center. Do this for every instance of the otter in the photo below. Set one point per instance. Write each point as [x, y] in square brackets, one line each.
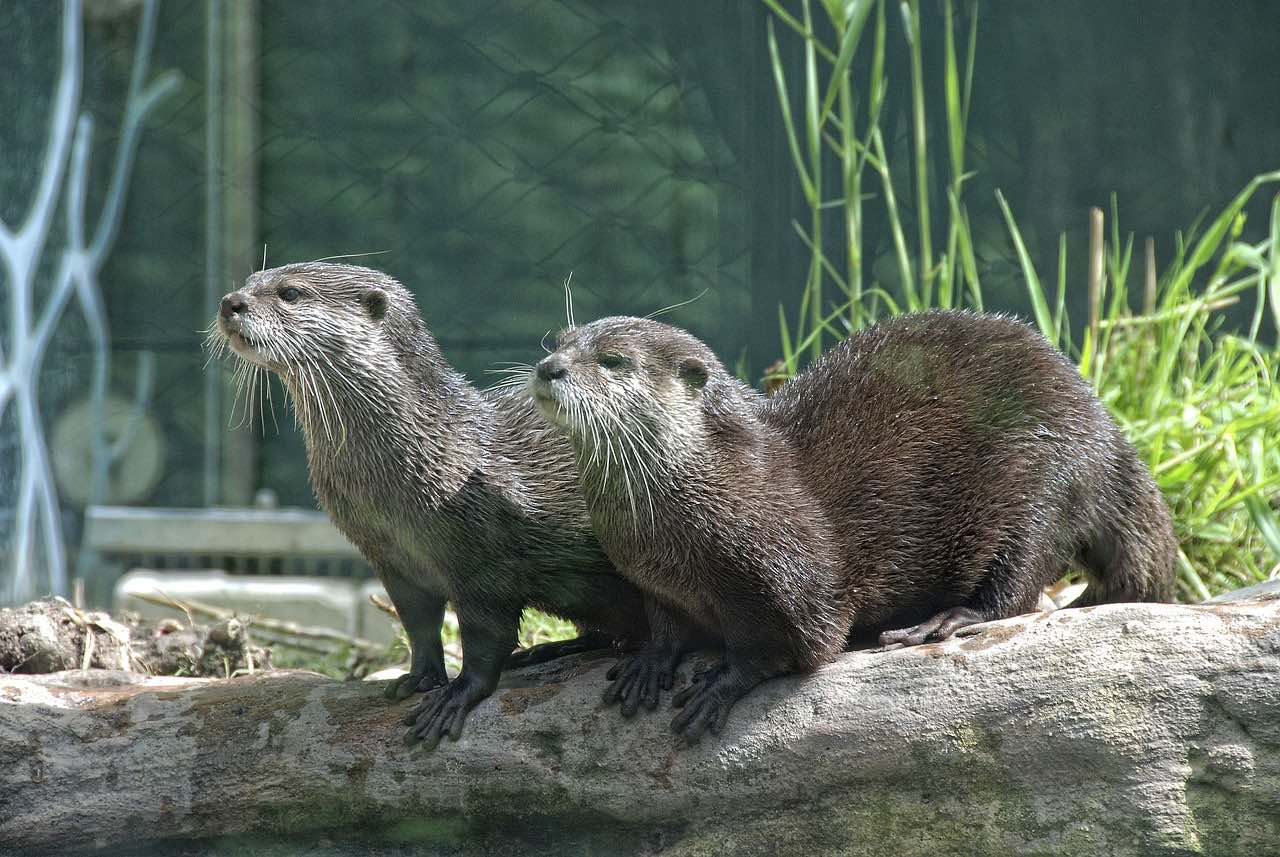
[931, 472]
[452, 494]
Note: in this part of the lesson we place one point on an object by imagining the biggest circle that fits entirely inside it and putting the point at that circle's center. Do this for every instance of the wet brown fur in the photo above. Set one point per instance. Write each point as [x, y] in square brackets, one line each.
[453, 494]
[938, 468]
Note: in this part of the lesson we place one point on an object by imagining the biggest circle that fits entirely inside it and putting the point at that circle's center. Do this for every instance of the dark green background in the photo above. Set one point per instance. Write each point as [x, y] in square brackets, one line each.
[493, 148]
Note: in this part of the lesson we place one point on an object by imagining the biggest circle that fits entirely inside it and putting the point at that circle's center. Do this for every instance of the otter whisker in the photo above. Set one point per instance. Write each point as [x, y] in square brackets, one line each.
[322, 406]
[271, 406]
[214, 343]
[583, 422]
[568, 301]
[251, 403]
[596, 430]
[508, 384]
[593, 425]
[255, 397]
[521, 371]
[350, 385]
[625, 462]
[337, 412]
[635, 444]
[520, 376]
[349, 256]
[214, 354]
[246, 411]
[263, 397]
[667, 309]
[315, 412]
[239, 378]
[511, 381]
[295, 395]
[642, 440]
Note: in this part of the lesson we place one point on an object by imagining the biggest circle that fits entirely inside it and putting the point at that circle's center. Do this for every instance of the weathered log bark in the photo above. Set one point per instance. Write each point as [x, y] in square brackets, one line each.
[1124, 729]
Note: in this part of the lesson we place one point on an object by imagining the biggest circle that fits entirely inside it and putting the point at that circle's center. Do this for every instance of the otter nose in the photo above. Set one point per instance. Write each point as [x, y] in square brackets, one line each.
[236, 302]
[552, 368]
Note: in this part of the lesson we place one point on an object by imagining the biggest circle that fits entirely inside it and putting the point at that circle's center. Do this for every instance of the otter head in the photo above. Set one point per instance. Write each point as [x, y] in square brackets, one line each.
[630, 388]
[289, 318]
[340, 337]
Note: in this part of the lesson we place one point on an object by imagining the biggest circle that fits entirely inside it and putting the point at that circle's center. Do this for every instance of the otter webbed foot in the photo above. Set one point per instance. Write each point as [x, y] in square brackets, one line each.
[705, 704]
[419, 681]
[444, 710]
[543, 652]
[639, 679]
[933, 630]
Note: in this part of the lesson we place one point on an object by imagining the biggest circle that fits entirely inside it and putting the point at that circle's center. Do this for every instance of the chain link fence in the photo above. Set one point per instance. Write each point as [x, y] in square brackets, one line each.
[483, 152]
[487, 152]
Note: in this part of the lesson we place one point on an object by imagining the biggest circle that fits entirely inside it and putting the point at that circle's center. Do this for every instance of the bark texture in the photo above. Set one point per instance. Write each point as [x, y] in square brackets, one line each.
[1123, 729]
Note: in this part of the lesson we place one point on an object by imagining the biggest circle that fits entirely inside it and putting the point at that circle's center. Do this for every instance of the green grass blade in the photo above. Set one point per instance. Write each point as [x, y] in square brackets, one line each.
[784, 329]
[784, 102]
[850, 28]
[895, 223]
[920, 136]
[1062, 336]
[1273, 279]
[813, 127]
[1265, 519]
[786, 18]
[1039, 306]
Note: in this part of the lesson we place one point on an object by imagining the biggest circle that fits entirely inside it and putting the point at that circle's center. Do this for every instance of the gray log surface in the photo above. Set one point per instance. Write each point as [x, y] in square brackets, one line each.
[1122, 729]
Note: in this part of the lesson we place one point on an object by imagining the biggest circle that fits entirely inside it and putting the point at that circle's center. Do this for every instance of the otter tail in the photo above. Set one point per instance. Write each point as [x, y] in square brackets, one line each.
[1131, 553]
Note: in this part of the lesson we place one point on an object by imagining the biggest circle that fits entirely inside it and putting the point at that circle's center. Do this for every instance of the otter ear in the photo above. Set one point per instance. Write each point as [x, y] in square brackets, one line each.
[694, 373]
[375, 303]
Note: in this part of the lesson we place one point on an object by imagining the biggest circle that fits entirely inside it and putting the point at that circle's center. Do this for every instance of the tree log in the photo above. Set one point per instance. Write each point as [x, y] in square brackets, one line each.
[1122, 729]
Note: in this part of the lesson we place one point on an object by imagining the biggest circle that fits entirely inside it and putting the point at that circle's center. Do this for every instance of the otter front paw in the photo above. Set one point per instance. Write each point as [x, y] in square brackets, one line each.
[639, 679]
[443, 711]
[411, 682]
[706, 703]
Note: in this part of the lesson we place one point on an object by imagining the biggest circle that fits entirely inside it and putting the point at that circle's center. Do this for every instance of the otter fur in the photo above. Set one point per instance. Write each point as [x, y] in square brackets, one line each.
[931, 472]
[453, 494]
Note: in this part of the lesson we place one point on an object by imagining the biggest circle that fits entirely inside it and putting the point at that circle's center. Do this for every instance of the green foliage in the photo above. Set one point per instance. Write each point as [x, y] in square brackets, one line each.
[854, 137]
[1200, 402]
[535, 627]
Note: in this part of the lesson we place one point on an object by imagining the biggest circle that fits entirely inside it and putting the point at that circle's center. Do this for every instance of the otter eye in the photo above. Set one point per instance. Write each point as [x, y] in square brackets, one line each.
[289, 294]
[612, 361]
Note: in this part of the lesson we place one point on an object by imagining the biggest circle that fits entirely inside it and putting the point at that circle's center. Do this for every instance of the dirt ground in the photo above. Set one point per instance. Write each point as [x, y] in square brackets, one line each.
[51, 635]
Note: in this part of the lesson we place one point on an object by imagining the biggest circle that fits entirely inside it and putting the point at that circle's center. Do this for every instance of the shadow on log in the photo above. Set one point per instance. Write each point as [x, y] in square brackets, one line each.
[1124, 729]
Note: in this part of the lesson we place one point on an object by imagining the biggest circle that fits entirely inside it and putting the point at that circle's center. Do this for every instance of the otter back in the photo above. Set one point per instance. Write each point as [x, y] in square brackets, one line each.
[937, 469]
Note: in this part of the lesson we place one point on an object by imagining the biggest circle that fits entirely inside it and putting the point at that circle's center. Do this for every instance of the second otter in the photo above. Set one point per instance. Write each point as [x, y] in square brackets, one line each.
[929, 473]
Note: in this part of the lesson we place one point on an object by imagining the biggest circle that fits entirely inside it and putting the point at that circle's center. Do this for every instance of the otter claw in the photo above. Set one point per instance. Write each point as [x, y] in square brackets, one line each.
[933, 630]
[640, 679]
[402, 687]
[705, 705]
[444, 711]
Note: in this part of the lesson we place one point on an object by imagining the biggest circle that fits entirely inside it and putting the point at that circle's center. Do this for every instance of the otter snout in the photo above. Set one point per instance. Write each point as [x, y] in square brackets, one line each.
[552, 368]
[233, 304]
[235, 324]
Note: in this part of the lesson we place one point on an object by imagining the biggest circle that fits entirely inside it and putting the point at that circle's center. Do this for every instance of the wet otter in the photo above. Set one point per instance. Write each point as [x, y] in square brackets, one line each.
[452, 494]
[929, 473]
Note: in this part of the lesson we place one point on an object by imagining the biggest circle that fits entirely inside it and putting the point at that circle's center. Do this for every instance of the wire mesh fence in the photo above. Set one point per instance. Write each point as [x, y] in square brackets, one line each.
[482, 153]
[486, 151]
